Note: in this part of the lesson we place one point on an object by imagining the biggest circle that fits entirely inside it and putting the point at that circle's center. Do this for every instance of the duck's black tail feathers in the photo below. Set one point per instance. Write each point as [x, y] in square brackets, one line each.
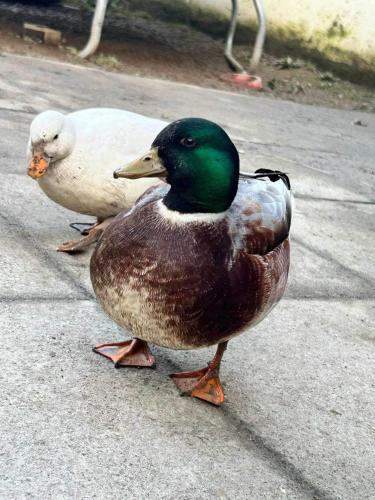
[273, 175]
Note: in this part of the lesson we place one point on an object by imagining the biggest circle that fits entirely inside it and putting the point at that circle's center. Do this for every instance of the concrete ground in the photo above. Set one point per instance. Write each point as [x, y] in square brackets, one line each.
[299, 418]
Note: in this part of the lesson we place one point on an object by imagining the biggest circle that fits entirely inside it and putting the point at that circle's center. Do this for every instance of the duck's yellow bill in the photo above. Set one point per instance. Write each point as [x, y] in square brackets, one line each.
[149, 165]
[37, 166]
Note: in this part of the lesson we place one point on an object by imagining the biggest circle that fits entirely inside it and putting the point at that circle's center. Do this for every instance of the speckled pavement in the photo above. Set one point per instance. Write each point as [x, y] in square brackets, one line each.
[299, 418]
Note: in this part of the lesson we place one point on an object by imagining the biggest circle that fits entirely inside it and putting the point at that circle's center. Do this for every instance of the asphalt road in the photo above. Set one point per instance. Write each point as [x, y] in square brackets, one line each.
[299, 418]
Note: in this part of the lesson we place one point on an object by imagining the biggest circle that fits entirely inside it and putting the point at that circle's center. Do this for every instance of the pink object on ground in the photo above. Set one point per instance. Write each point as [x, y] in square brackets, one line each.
[244, 80]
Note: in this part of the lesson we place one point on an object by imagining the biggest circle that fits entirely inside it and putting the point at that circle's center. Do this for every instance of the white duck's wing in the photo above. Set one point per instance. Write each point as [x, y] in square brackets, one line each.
[108, 138]
[260, 215]
[105, 140]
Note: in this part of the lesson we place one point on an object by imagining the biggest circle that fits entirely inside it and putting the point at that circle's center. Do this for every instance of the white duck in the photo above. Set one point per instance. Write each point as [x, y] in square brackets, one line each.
[73, 157]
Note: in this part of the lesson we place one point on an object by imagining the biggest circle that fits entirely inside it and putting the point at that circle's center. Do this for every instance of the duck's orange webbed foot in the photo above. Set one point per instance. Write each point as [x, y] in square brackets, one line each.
[130, 353]
[205, 383]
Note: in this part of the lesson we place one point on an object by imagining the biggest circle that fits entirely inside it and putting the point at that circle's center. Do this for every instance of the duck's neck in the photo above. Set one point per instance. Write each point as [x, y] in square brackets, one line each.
[177, 217]
[203, 190]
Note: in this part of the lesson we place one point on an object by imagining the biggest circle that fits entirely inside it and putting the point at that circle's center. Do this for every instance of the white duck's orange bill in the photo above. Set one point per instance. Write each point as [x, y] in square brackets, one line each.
[37, 166]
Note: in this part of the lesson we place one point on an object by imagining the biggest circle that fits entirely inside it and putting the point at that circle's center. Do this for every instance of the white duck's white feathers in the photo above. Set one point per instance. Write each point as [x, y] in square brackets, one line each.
[90, 145]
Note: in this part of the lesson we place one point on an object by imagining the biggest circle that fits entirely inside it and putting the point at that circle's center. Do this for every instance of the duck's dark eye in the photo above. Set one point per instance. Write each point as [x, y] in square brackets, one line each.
[56, 137]
[188, 142]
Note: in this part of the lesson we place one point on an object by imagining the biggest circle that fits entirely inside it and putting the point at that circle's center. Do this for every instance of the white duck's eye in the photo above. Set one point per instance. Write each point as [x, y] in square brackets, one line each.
[56, 137]
[188, 142]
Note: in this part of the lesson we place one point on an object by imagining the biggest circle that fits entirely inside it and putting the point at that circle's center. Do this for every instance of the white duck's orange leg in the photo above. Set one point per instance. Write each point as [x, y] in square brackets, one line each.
[75, 246]
[205, 383]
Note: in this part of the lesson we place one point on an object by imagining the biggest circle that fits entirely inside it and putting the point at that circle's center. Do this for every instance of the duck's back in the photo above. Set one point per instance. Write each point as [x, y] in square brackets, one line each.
[105, 140]
[188, 281]
[120, 132]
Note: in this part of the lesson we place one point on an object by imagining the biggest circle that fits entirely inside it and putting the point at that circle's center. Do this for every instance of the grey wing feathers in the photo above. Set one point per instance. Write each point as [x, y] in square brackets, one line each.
[260, 215]
[153, 193]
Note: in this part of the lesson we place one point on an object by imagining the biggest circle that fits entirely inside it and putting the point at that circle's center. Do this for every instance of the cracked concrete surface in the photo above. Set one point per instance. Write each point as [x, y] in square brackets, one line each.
[299, 417]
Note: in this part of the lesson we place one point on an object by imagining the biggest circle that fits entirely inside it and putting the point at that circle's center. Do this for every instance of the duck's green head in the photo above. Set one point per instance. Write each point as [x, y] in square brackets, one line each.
[199, 161]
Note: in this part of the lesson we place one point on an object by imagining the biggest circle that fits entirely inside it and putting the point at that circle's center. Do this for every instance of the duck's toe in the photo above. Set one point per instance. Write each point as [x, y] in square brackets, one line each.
[202, 384]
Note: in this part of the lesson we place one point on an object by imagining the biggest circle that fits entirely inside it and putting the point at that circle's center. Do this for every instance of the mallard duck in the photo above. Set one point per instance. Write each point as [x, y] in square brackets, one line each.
[196, 261]
[73, 156]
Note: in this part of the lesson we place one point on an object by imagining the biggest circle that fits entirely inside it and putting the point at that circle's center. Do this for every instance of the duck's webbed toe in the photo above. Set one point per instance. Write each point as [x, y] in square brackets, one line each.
[204, 383]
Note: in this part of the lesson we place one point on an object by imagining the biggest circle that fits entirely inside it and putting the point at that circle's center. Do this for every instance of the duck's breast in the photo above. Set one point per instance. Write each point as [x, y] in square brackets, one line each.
[179, 285]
